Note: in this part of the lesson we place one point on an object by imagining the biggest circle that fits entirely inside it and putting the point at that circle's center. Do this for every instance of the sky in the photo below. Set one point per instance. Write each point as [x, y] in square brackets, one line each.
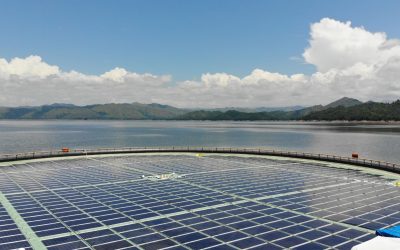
[198, 53]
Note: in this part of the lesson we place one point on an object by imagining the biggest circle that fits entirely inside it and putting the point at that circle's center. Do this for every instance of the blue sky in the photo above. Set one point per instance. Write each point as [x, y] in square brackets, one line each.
[181, 38]
[206, 53]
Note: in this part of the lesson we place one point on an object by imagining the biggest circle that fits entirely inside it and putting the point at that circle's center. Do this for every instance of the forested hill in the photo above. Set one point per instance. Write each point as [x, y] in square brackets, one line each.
[234, 115]
[274, 115]
[370, 111]
[127, 111]
[342, 109]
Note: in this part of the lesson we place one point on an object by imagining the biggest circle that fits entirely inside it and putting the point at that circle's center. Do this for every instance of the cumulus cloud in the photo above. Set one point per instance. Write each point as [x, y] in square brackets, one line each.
[30, 67]
[117, 75]
[31, 81]
[350, 61]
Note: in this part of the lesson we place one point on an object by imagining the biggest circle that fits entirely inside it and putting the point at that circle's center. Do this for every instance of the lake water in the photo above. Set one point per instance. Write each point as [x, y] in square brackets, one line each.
[380, 142]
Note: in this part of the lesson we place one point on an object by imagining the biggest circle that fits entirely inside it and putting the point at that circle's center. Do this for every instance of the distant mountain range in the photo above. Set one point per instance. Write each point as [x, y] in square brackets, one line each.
[369, 111]
[342, 109]
[258, 109]
[125, 111]
[298, 114]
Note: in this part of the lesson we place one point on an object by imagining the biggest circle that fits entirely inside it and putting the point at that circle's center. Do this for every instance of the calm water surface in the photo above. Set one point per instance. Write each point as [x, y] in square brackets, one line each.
[381, 142]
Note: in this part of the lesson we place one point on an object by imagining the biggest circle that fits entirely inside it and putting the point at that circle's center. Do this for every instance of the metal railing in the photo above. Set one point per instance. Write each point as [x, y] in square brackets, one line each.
[392, 167]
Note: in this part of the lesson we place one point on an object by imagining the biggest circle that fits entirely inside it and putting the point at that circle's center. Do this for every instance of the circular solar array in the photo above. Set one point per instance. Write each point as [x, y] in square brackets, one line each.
[188, 201]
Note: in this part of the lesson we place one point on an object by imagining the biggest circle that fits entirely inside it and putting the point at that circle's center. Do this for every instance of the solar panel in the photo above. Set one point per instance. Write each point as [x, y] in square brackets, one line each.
[11, 236]
[215, 202]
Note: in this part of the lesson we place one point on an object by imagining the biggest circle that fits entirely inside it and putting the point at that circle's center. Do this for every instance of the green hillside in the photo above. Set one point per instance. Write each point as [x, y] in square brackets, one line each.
[232, 115]
[342, 109]
[274, 115]
[344, 102]
[134, 111]
[370, 111]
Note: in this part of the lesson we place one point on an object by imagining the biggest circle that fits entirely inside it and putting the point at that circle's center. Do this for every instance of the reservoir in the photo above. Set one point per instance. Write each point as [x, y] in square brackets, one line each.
[373, 141]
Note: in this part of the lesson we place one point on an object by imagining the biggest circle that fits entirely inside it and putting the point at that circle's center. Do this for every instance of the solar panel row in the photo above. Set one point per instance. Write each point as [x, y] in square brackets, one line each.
[10, 235]
[234, 226]
[220, 202]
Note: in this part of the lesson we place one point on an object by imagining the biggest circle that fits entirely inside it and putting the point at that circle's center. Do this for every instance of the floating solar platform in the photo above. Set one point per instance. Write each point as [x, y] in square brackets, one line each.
[183, 201]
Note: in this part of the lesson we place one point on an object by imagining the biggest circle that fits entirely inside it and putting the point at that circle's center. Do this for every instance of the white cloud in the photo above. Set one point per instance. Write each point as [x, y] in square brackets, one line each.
[350, 61]
[116, 75]
[219, 80]
[30, 67]
[31, 81]
[338, 45]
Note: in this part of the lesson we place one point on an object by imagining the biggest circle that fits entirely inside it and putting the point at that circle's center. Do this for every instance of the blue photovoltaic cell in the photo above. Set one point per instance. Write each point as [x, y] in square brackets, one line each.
[10, 235]
[222, 202]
